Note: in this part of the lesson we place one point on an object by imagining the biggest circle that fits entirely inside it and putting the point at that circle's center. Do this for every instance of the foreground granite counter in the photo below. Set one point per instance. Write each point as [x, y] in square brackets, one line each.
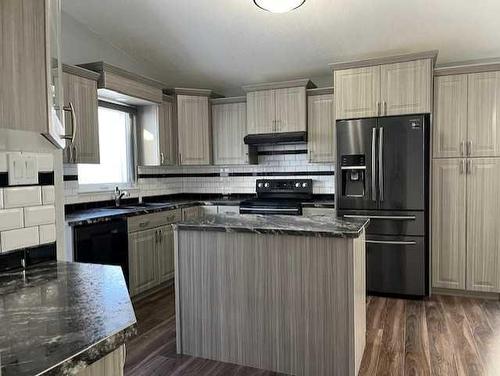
[320, 226]
[58, 317]
[280, 293]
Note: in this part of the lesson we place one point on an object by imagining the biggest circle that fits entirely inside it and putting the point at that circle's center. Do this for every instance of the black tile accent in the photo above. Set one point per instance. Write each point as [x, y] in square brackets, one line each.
[46, 178]
[282, 152]
[70, 177]
[4, 179]
[238, 174]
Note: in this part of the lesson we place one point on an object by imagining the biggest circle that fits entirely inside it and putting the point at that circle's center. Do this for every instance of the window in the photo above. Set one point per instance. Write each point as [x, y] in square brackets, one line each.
[116, 151]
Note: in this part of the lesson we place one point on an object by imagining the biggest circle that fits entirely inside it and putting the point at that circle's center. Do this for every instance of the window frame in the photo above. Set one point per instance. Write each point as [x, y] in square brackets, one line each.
[132, 184]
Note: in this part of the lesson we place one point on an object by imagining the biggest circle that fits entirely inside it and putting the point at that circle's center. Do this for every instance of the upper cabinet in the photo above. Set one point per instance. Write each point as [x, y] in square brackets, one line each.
[321, 125]
[80, 95]
[31, 76]
[277, 107]
[357, 92]
[467, 114]
[229, 119]
[193, 124]
[397, 85]
[157, 133]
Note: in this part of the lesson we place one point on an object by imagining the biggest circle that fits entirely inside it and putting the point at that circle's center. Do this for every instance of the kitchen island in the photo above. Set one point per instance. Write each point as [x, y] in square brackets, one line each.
[281, 293]
[61, 318]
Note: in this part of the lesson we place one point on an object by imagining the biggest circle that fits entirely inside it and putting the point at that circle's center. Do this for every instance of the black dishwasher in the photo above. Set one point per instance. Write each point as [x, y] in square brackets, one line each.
[102, 243]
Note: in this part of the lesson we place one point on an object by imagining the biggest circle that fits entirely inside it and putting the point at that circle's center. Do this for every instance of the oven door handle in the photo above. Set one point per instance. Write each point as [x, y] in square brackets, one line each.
[388, 217]
[393, 242]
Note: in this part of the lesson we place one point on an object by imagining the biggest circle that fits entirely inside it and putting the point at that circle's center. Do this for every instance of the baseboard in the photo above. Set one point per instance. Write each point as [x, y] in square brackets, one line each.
[465, 293]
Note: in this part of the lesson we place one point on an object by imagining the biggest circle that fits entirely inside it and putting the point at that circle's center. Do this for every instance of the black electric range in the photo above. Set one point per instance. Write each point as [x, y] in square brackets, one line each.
[278, 196]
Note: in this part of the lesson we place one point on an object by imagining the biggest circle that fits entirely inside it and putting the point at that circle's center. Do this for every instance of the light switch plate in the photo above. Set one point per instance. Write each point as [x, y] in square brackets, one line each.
[23, 170]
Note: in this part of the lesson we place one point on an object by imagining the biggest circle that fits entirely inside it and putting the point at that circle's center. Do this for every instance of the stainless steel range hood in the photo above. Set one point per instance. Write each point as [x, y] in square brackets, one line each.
[275, 138]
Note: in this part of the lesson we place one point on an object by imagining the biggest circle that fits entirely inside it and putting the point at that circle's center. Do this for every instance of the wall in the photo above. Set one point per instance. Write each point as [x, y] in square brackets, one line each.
[11, 140]
[81, 45]
[276, 162]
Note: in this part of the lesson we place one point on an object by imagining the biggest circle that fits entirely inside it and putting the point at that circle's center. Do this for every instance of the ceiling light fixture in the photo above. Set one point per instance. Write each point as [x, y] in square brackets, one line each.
[279, 6]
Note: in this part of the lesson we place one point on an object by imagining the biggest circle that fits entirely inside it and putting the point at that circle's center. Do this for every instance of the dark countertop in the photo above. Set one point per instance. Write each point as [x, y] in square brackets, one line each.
[321, 226]
[97, 215]
[59, 317]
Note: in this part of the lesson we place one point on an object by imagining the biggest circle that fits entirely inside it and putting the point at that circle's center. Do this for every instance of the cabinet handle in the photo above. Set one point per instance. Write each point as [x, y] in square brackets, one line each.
[75, 154]
[462, 166]
[162, 158]
[143, 224]
[378, 108]
[469, 167]
[385, 108]
[70, 108]
[462, 148]
[469, 148]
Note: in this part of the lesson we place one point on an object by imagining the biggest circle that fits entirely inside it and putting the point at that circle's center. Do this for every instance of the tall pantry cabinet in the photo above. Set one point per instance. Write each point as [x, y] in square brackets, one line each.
[466, 180]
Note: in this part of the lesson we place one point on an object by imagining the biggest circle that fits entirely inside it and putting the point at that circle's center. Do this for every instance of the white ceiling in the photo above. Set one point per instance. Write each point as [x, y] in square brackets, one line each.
[224, 44]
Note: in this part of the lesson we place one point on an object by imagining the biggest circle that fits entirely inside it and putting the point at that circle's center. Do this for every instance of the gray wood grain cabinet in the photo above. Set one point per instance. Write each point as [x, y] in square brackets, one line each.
[383, 87]
[277, 107]
[31, 76]
[465, 223]
[80, 93]
[229, 120]
[157, 134]
[151, 250]
[321, 140]
[467, 115]
[193, 124]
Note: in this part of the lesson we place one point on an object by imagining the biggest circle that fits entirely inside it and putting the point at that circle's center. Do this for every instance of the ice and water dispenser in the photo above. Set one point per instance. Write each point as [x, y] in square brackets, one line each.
[353, 168]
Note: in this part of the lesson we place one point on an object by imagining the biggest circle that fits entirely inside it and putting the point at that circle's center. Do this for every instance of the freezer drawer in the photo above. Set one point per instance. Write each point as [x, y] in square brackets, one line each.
[404, 223]
[396, 265]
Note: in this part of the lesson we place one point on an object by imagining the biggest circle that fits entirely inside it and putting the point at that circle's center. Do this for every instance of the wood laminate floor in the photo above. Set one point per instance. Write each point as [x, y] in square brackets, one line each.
[442, 336]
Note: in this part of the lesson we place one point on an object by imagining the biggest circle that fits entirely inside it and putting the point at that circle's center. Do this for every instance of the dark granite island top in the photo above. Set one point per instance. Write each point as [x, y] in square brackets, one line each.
[59, 317]
[320, 226]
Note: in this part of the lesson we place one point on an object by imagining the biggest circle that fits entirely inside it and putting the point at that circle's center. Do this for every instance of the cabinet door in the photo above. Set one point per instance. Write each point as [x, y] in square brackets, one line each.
[82, 93]
[321, 128]
[484, 114]
[448, 223]
[167, 134]
[165, 254]
[291, 114]
[229, 129]
[194, 130]
[450, 116]
[142, 261]
[23, 74]
[483, 225]
[406, 87]
[261, 111]
[357, 92]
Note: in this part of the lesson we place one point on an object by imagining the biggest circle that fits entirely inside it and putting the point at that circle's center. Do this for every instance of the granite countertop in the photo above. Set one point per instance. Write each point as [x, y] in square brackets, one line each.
[58, 317]
[321, 226]
[97, 215]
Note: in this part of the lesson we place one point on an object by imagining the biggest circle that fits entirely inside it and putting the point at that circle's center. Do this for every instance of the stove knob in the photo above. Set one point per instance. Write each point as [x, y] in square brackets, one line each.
[260, 185]
[304, 185]
[297, 185]
[266, 185]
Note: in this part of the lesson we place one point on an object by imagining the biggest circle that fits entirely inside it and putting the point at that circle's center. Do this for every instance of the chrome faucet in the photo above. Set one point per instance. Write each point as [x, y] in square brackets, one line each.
[119, 195]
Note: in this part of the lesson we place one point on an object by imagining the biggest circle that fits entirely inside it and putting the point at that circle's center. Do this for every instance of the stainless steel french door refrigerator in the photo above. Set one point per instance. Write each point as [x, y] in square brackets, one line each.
[383, 173]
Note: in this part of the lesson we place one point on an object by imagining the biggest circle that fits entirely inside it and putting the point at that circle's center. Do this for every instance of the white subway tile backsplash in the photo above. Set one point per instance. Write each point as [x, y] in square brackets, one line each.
[11, 219]
[45, 162]
[21, 238]
[3, 162]
[18, 197]
[39, 215]
[47, 234]
[48, 194]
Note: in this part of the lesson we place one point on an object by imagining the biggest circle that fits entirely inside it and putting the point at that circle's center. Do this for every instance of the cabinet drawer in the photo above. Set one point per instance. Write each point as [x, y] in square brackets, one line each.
[147, 221]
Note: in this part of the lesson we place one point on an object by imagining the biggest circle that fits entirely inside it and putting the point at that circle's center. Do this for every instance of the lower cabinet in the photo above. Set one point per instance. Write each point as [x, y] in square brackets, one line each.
[165, 253]
[465, 224]
[142, 251]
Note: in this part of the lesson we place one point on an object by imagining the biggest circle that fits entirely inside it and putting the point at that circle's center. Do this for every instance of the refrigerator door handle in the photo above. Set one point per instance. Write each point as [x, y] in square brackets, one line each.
[374, 168]
[394, 242]
[381, 163]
